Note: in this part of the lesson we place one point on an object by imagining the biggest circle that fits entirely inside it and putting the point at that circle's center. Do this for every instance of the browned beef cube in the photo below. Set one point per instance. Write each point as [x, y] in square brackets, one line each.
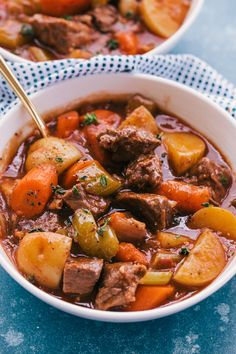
[104, 17]
[81, 275]
[156, 210]
[78, 198]
[127, 143]
[213, 175]
[119, 285]
[61, 34]
[144, 173]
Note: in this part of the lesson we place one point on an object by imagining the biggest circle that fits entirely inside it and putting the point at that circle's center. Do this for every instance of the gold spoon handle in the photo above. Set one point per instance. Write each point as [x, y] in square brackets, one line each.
[18, 89]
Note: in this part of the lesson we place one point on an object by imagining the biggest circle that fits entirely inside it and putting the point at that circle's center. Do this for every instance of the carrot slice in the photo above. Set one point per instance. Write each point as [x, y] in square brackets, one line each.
[33, 191]
[105, 119]
[127, 252]
[128, 42]
[70, 176]
[63, 7]
[188, 197]
[67, 123]
[150, 296]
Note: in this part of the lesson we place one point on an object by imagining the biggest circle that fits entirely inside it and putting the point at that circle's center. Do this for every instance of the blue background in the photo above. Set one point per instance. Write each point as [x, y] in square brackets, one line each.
[29, 326]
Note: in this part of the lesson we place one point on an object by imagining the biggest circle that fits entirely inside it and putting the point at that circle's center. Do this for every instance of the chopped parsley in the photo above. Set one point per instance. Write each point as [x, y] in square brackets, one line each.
[31, 279]
[59, 159]
[37, 229]
[224, 180]
[129, 15]
[58, 190]
[206, 205]
[89, 118]
[75, 191]
[27, 30]
[112, 44]
[184, 251]
[68, 18]
[83, 178]
[103, 181]
[159, 136]
[103, 228]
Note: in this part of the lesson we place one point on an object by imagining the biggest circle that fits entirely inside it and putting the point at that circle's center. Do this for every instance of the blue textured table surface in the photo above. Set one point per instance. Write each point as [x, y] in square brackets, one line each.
[29, 326]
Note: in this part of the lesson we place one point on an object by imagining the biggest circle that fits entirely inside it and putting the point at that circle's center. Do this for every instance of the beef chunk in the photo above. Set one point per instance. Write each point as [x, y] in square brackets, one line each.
[128, 229]
[61, 34]
[144, 173]
[77, 198]
[104, 17]
[215, 176]
[127, 143]
[156, 210]
[48, 221]
[119, 285]
[81, 275]
[137, 101]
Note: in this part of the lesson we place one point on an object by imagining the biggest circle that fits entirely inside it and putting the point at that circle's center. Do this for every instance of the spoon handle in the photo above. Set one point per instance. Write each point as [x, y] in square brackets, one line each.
[19, 91]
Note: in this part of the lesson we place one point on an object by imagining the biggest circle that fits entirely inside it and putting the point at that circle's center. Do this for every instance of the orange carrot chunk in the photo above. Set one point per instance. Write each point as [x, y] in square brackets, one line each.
[189, 198]
[63, 7]
[150, 296]
[70, 176]
[67, 123]
[33, 191]
[128, 42]
[127, 252]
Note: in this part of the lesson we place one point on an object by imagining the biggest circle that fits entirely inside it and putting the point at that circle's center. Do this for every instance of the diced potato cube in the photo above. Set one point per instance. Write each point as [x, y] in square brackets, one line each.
[217, 219]
[204, 263]
[43, 255]
[184, 150]
[170, 240]
[53, 150]
[142, 119]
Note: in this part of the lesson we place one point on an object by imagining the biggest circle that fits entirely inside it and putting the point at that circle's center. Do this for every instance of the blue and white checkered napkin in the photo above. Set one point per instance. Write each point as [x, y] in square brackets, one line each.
[185, 69]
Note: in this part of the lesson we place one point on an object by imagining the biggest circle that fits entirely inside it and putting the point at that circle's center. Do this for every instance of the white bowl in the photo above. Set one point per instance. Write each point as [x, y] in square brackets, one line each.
[196, 110]
[163, 48]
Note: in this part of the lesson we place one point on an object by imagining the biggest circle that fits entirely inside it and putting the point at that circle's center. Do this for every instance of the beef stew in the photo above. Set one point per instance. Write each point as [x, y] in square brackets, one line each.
[123, 208]
[40, 30]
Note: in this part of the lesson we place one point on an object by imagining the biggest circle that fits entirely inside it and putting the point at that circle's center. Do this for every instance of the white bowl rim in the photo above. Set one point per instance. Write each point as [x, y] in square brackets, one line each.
[112, 316]
[163, 48]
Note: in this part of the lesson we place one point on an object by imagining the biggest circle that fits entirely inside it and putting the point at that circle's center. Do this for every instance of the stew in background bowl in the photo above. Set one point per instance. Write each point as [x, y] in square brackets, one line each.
[135, 214]
[42, 30]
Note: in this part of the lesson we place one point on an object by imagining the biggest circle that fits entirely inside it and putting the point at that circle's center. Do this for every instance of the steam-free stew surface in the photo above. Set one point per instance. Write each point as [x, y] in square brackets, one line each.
[118, 209]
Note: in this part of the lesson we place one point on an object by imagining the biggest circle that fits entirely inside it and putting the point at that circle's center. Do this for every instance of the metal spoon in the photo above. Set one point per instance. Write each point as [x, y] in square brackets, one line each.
[20, 92]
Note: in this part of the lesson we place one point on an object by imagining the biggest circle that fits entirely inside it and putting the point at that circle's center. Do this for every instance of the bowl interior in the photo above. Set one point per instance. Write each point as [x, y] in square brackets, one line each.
[192, 107]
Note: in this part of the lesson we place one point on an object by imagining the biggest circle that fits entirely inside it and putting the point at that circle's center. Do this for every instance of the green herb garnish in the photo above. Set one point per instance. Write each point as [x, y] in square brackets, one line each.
[75, 191]
[112, 44]
[224, 180]
[184, 251]
[68, 18]
[103, 181]
[206, 205]
[159, 136]
[59, 159]
[58, 190]
[37, 229]
[31, 279]
[27, 30]
[83, 178]
[103, 228]
[89, 118]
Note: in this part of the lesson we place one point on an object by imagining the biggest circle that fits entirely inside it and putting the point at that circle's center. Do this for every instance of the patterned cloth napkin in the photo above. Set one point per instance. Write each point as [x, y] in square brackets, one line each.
[185, 69]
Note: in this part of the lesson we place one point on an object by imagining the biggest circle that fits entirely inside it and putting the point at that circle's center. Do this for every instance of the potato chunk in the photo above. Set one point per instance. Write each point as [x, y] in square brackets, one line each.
[10, 36]
[42, 255]
[170, 240]
[53, 150]
[163, 17]
[204, 263]
[217, 219]
[142, 119]
[184, 150]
